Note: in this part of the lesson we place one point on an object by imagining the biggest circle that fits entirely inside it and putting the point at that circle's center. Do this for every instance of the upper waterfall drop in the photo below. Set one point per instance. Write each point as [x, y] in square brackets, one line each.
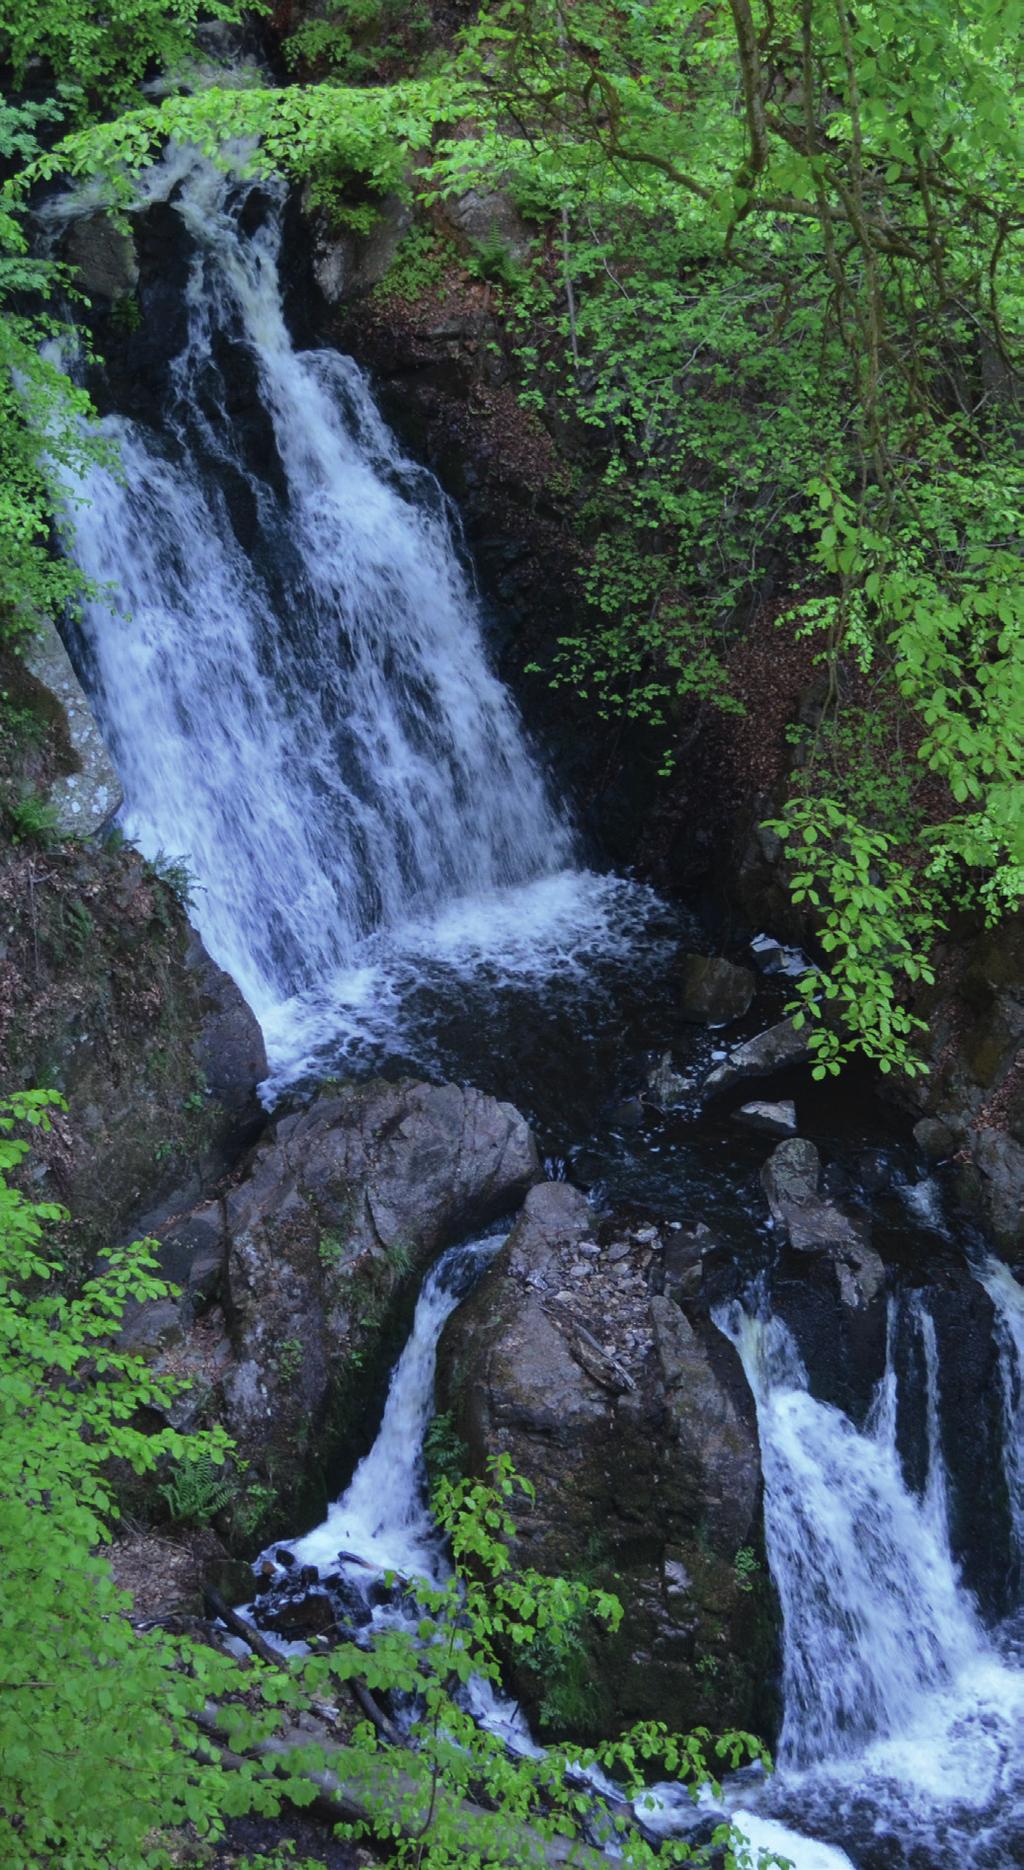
[289, 663]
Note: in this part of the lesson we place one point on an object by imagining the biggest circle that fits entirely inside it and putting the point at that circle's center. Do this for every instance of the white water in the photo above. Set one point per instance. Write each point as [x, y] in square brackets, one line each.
[310, 718]
[382, 1520]
[900, 1712]
[383, 1515]
[1008, 1298]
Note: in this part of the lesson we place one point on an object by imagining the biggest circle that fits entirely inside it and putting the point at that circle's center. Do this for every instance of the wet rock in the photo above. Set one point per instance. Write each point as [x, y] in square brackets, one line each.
[713, 990]
[994, 1180]
[309, 1613]
[638, 1437]
[772, 1050]
[682, 1266]
[339, 1206]
[103, 255]
[773, 957]
[791, 1179]
[86, 797]
[934, 1139]
[667, 1086]
[769, 1119]
[712, 1432]
[230, 1052]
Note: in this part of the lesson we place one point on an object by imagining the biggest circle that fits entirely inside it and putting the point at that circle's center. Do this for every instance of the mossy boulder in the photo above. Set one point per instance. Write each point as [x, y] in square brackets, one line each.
[339, 1208]
[635, 1428]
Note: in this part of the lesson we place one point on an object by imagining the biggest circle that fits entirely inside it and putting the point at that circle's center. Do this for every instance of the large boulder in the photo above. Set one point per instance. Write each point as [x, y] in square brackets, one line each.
[714, 991]
[791, 1179]
[635, 1428]
[339, 1208]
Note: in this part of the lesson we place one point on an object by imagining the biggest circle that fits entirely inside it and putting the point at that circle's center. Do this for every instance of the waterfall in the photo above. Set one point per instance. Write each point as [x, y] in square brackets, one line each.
[383, 1514]
[289, 666]
[1008, 1298]
[903, 1717]
[873, 1614]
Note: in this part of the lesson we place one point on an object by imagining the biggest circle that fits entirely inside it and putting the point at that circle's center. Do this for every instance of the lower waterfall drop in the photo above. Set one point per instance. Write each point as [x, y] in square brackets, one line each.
[903, 1718]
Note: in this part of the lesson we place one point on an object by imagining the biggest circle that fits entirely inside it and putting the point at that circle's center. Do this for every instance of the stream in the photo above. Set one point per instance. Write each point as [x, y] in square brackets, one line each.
[291, 670]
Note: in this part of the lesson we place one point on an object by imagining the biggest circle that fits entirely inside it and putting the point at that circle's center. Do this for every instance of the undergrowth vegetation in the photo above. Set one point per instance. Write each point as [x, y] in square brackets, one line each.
[160, 1739]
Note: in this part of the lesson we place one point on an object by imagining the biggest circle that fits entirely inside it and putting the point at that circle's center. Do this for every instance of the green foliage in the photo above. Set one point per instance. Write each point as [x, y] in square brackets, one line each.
[45, 427]
[289, 1359]
[31, 819]
[359, 39]
[331, 1248]
[492, 259]
[127, 1715]
[746, 1567]
[444, 1451]
[175, 874]
[79, 1687]
[198, 1489]
[417, 269]
[877, 926]
[99, 55]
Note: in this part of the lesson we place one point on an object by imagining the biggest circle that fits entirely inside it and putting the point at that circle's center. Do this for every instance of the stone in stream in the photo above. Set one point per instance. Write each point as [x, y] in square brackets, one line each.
[791, 1179]
[770, 1119]
[665, 1085]
[636, 1429]
[774, 1049]
[714, 991]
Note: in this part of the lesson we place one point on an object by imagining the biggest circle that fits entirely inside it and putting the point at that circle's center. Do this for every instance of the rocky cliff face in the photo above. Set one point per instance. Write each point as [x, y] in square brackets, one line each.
[633, 1424]
[297, 1280]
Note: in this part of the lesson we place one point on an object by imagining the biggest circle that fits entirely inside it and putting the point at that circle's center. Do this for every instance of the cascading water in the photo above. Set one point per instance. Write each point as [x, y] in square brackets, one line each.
[383, 1516]
[291, 672]
[309, 718]
[1008, 1298]
[903, 1723]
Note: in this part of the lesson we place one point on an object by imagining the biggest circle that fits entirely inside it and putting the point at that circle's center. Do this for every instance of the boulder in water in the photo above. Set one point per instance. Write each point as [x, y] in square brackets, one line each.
[636, 1429]
[666, 1086]
[770, 1119]
[714, 991]
[791, 1179]
[774, 1049]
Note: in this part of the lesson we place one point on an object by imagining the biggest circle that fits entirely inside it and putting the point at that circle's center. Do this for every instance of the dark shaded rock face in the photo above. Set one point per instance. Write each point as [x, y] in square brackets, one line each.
[338, 1206]
[230, 1049]
[714, 991]
[635, 1428]
[107, 996]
